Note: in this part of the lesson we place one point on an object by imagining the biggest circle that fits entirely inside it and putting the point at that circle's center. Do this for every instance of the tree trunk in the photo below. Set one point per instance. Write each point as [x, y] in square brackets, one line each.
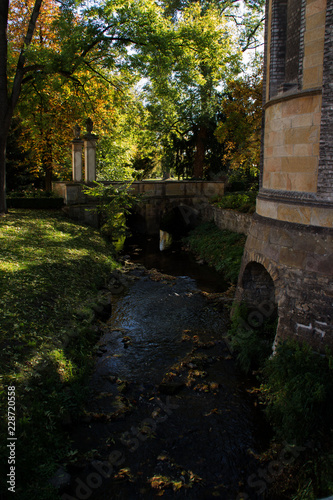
[3, 204]
[7, 104]
[48, 178]
[199, 155]
[3, 102]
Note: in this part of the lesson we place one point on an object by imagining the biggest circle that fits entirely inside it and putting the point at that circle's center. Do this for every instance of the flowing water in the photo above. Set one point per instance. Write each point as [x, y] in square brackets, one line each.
[169, 413]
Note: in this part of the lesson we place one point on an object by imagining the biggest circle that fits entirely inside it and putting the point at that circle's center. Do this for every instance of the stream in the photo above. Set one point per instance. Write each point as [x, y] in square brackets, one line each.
[169, 413]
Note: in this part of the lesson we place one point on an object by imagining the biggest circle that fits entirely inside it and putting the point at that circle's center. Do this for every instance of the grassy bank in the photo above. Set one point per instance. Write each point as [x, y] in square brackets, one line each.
[52, 271]
[221, 249]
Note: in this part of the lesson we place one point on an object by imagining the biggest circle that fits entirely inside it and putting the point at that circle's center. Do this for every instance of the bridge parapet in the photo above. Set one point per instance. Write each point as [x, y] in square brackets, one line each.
[73, 195]
[159, 198]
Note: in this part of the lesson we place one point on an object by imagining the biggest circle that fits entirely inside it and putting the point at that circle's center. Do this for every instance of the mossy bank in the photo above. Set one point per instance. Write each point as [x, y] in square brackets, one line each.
[223, 250]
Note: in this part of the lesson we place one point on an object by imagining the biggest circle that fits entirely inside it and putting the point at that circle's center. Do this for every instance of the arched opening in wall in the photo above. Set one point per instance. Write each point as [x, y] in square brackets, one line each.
[179, 220]
[258, 286]
[255, 324]
[259, 300]
[136, 223]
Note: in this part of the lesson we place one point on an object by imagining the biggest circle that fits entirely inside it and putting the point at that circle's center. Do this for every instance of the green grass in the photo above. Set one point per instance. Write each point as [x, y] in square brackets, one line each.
[221, 249]
[51, 272]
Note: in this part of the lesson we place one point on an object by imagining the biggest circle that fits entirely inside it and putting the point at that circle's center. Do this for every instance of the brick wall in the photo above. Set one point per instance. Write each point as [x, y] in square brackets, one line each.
[325, 171]
[278, 30]
[315, 15]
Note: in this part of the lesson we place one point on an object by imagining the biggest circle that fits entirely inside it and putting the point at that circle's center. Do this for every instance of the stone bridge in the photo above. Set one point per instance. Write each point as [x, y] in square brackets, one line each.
[158, 199]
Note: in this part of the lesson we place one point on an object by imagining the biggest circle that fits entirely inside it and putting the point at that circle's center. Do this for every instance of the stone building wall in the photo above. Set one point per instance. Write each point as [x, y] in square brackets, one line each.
[325, 169]
[301, 266]
[290, 241]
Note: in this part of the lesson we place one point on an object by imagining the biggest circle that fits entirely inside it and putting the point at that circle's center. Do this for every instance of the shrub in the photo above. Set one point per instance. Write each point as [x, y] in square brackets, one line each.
[241, 201]
[297, 390]
[34, 199]
[252, 345]
[113, 204]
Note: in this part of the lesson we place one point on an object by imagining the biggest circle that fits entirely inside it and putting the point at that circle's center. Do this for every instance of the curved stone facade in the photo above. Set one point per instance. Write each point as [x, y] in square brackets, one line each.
[291, 234]
[299, 261]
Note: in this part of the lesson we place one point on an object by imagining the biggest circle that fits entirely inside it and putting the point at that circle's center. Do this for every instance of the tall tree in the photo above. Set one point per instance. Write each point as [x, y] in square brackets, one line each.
[240, 127]
[97, 39]
[8, 100]
[184, 51]
[185, 90]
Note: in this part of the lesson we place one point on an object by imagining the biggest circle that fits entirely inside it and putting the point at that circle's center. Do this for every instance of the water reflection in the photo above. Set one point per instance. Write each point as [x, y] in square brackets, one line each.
[174, 261]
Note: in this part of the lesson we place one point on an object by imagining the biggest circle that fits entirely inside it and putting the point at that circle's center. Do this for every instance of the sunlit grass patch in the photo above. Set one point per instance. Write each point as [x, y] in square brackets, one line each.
[50, 268]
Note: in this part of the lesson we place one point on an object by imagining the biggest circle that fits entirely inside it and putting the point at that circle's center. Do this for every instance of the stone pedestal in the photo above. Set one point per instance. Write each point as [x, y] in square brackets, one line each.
[90, 152]
[90, 158]
[77, 145]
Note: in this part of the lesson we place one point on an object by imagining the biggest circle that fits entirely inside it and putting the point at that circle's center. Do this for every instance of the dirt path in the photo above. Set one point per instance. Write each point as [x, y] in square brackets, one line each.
[169, 414]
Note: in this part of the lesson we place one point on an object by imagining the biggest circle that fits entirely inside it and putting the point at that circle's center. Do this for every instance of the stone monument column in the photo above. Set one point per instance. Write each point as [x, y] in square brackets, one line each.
[90, 152]
[77, 145]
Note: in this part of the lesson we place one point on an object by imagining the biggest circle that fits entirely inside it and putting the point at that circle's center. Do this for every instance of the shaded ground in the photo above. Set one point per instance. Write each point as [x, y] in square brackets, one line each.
[169, 414]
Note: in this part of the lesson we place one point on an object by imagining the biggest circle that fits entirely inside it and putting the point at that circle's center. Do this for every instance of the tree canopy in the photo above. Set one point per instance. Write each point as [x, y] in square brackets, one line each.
[151, 74]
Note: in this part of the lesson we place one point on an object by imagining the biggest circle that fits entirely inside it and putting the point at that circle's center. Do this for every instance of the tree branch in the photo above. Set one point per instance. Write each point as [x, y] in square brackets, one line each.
[252, 33]
[102, 76]
[21, 61]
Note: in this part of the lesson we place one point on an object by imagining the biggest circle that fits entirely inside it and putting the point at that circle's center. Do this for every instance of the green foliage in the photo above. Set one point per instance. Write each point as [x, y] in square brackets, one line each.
[252, 345]
[240, 127]
[150, 74]
[114, 203]
[50, 269]
[297, 391]
[242, 202]
[315, 479]
[242, 179]
[34, 198]
[221, 249]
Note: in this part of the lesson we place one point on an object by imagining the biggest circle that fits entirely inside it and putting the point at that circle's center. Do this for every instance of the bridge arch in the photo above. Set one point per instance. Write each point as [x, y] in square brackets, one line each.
[258, 291]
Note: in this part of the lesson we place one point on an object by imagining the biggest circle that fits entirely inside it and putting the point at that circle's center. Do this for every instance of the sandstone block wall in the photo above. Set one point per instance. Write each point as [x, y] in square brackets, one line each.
[291, 144]
[300, 263]
[227, 219]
